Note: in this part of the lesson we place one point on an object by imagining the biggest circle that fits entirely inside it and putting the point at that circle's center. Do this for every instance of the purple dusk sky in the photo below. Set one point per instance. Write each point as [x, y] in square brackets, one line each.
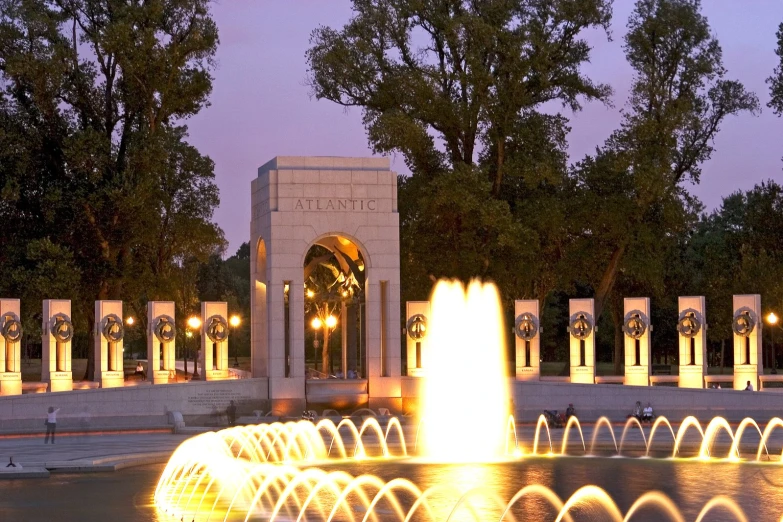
[261, 108]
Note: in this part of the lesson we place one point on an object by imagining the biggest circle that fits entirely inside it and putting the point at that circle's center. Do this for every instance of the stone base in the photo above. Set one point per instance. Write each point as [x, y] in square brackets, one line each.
[60, 381]
[215, 375]
[112, 379]
[160, 376]
[288, 407]
[10, 383]
[528, 373]
[691, 376]
[393, 404]
[744, 373]
[637, 376]
[583, 374]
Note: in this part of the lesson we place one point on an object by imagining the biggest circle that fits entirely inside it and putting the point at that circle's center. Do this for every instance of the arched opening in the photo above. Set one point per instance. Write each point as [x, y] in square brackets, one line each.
[259, 353]
[335, 319]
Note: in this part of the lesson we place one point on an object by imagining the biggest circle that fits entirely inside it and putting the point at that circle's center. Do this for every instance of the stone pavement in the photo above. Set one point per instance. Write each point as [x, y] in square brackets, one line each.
[86, 452]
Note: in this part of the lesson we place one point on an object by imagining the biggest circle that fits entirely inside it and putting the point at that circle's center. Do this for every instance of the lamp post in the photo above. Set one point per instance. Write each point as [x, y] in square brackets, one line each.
[316, 324]
[194, 323]
[328, 323]
[234, 321]
[331, 322]
[129, 321]
[772, 319]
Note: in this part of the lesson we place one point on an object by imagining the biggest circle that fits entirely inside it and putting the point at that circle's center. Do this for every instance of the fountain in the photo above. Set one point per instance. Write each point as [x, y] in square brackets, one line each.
[326, 471]
[465, 333]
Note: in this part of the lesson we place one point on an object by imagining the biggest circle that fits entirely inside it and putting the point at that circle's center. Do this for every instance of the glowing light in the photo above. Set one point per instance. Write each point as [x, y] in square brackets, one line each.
[331, 321]
[772, 318]
[130, 321]
[194, 322]
[466, 344]
[234, 321]
[310, 294]
[316, 323]
[238, 472]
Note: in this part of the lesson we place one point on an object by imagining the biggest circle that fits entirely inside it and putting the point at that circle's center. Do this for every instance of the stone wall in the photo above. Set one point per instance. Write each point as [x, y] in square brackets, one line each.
[616, 401]
[134, 407]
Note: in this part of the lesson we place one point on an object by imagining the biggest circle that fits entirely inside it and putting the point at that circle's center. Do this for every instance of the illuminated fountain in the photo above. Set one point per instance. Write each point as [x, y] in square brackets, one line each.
[465, 332]
[306, 471]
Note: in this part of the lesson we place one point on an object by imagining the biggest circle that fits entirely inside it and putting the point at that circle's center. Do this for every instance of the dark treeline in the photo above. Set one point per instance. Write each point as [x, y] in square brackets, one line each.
[464, 91]
[102, 195]
[104, 198]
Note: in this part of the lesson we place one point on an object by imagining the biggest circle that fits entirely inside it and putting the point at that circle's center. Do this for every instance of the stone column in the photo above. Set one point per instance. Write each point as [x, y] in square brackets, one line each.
[747, 326]
[57, 332]
[10, 347]
[161, 336]
[692, 330]
[527, 333]
[214, 341]
[109, 332]
[582, 329]
[636, 329]
[417, 314]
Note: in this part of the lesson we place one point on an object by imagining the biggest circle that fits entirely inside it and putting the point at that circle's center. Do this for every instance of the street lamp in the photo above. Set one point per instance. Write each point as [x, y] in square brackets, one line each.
[129, 321]
[772, 319]
[327, 324]
[194, 323]
[234, 321]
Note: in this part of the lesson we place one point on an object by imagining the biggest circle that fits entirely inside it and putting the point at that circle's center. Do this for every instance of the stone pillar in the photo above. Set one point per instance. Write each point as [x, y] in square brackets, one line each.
[417, 314]
[214, 341]
[527, 331]
[10, 347]
[57, 332]
[582, 329]
[636, 327]
[161, 336]
[692, 330]
[109, 331]
[747, 326]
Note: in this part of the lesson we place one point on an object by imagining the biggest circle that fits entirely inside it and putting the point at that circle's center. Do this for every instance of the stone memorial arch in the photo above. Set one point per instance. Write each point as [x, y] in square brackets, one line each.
[347, 207]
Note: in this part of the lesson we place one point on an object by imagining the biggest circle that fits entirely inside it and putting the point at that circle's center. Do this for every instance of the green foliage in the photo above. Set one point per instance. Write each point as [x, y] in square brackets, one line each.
[678, 100]
[776, 80]
[454, 72]
[92, 147]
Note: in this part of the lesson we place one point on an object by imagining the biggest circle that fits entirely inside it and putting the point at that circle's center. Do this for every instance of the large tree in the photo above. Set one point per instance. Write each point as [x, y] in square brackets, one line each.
[455, 73]
[93, 94]
[457, 88]
[678, 100]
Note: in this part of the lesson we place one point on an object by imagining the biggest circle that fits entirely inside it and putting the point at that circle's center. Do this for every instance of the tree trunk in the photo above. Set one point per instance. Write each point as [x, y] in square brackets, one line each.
[325, 353]
[90, 371]
[618, 342]
[722, 354]
[607, 280]
[498, 179]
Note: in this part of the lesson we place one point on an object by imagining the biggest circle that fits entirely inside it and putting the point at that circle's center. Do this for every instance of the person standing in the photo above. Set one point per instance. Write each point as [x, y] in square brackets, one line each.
[231, 413]
[51, 423]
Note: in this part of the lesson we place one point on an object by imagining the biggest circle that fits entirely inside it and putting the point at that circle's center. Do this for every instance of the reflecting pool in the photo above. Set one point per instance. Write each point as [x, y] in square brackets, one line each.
[756, 487]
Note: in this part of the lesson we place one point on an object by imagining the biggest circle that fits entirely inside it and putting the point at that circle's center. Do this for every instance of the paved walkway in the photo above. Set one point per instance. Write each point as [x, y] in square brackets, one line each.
[87, 452]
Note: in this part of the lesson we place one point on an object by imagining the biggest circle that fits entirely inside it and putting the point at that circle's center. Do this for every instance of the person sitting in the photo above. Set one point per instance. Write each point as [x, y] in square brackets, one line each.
[749, 387]
[570, 411]
[647, 413]
[140, 370]
[352, 374]
[637, 411]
